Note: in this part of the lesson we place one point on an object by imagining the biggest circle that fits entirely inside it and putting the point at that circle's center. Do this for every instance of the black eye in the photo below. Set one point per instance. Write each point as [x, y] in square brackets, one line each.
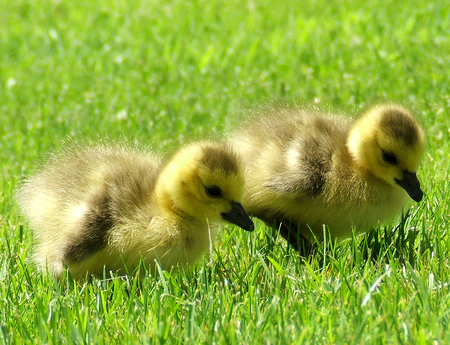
[389, 158]
[213, 191]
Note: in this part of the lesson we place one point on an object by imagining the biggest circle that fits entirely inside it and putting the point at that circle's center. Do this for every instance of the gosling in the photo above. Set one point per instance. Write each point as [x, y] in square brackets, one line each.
[306, 169]
[109, 208]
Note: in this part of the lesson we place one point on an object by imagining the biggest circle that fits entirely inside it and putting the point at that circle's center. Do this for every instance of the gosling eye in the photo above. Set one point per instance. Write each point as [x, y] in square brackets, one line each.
[214, 192]
[389, 158]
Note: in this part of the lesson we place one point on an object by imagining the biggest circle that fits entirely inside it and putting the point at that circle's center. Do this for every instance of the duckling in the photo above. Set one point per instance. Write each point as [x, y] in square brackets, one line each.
[309, 169]
[106, 208]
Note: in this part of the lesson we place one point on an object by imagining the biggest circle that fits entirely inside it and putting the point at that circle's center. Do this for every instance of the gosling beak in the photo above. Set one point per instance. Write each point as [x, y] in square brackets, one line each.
[411, 184]
[238, 216]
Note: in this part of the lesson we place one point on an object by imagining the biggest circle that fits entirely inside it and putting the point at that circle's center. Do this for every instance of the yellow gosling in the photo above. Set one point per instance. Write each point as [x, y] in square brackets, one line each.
[309, 169]
[109, 207]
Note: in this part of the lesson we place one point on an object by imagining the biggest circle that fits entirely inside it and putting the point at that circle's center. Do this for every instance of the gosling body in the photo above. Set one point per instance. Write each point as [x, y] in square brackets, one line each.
[305, 169]
[107, 208]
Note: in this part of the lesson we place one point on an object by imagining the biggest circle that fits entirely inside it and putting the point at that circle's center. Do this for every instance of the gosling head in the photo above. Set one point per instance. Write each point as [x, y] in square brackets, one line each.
[205, 181]
[388, 142]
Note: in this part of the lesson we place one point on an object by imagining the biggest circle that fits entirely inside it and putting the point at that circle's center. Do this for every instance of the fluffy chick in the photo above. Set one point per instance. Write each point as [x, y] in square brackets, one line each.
[309, 169]
[106, 208]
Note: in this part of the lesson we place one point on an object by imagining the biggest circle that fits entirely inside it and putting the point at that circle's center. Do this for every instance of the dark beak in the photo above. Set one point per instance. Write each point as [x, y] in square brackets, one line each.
[238, 216]
[411, 184]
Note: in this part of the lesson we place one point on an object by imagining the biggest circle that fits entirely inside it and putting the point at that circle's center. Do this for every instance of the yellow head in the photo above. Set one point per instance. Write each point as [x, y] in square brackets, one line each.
[389, 143]
[204, 181]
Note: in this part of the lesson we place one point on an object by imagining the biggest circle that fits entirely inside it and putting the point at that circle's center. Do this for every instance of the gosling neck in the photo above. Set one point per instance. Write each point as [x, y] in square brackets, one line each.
[167, 204]
[350, 161]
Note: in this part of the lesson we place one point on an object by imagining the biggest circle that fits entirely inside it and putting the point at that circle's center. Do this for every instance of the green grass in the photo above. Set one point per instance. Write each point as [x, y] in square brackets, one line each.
[163, 73]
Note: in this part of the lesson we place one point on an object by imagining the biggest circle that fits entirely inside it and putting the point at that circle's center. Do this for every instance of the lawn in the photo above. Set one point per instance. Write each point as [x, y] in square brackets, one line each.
[163, 73]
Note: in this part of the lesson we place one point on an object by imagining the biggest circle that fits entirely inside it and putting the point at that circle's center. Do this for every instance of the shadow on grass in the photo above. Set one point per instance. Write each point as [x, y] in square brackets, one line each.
[405, 243]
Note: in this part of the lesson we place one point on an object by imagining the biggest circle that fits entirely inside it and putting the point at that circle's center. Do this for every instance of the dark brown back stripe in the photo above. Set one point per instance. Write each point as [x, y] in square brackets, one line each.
[98, 223]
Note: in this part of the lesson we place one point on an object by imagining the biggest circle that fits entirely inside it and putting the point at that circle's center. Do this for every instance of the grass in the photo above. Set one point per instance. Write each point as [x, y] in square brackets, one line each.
[163, 73]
